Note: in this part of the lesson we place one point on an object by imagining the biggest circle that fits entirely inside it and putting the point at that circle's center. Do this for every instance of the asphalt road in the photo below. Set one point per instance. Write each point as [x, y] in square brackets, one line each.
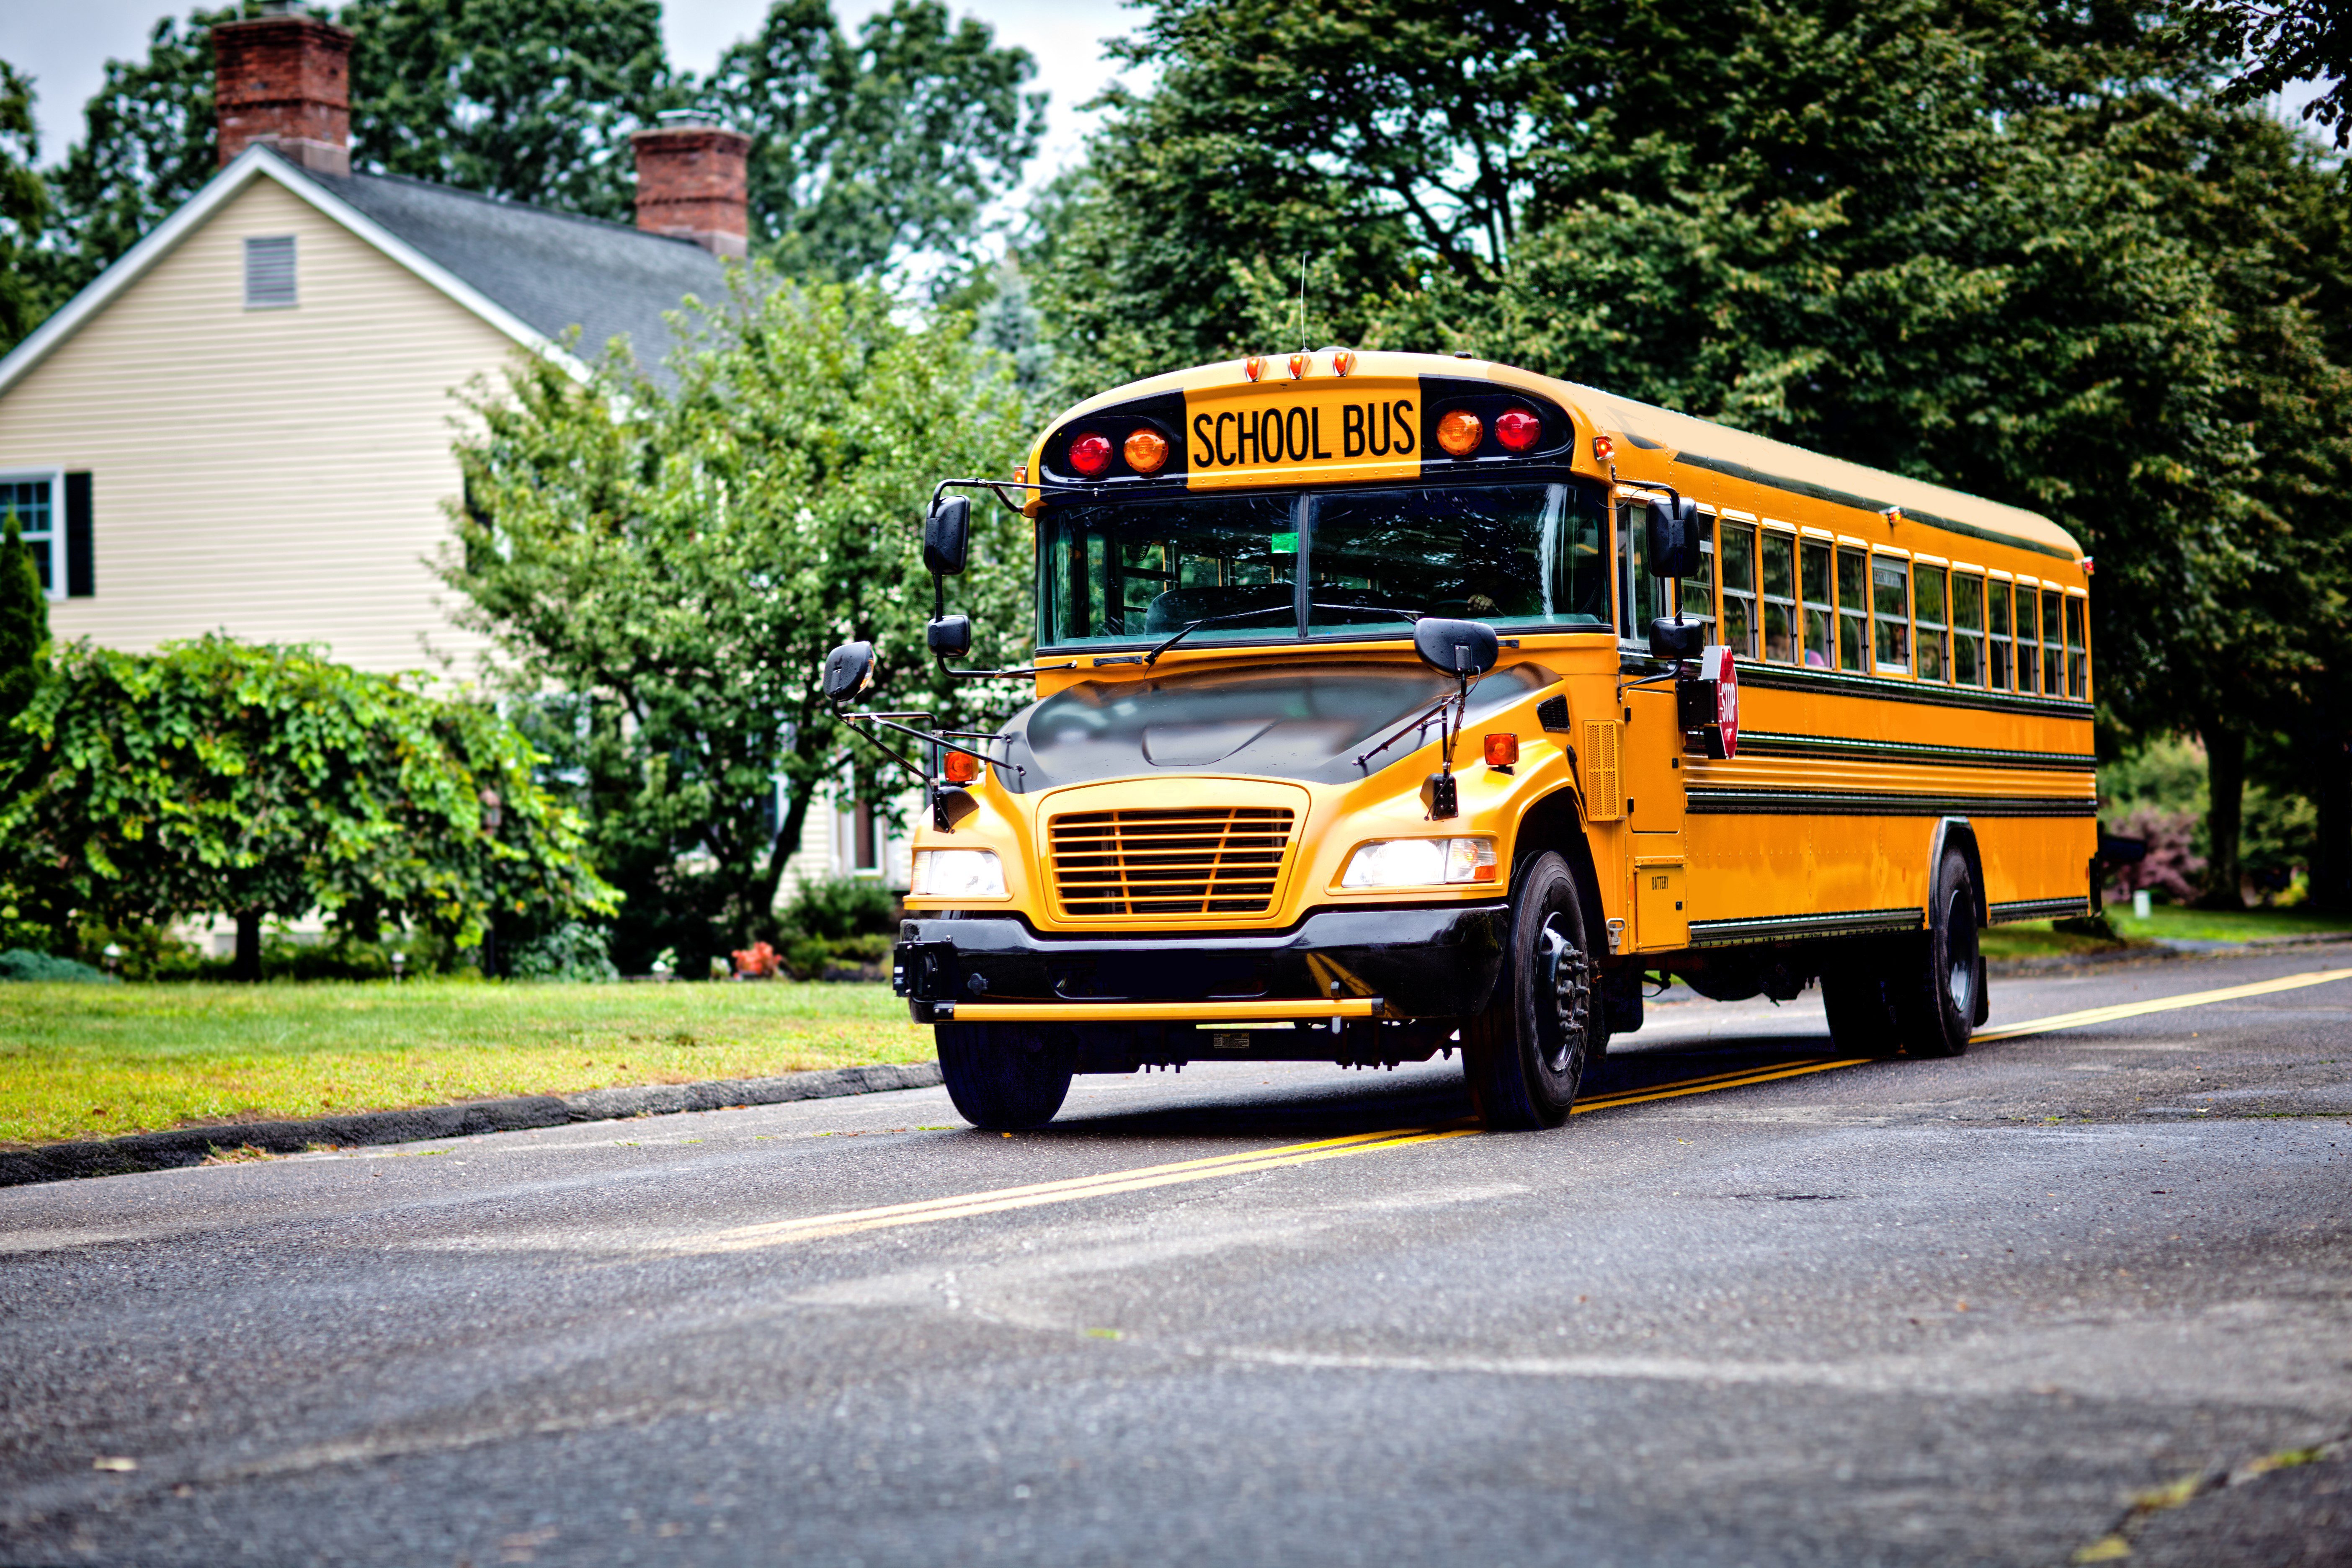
[1906, 1312]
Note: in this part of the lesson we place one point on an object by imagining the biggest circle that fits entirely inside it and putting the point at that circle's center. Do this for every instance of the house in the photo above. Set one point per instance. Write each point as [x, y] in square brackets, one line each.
[245, 424]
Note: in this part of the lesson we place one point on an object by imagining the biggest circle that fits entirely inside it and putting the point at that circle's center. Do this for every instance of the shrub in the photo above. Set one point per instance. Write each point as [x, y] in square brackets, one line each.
[574, 951]
[842, 907]
[24, 964]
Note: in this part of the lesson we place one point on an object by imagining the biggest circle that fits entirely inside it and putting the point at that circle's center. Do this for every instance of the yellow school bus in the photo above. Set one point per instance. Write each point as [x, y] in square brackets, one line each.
[1394, 704]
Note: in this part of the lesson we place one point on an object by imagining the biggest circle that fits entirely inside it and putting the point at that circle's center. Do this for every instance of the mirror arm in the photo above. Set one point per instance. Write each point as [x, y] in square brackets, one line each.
[993, 486]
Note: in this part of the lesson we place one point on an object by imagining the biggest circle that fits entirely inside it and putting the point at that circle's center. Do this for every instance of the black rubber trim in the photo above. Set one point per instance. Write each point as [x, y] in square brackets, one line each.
[1730, 469]
[2037, 910]
[1855, 802]
[1784, 927]
[1767, 744]
[1879, 687]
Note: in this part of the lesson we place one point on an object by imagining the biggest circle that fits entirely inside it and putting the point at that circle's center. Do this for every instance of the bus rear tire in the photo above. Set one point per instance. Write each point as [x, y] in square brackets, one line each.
[1858, 997]
[1526, 1053]
[1003, 1078]
[1937, 1006]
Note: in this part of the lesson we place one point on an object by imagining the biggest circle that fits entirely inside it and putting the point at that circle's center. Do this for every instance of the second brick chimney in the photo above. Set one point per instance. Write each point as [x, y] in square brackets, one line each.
[285, 80]
[691, 183]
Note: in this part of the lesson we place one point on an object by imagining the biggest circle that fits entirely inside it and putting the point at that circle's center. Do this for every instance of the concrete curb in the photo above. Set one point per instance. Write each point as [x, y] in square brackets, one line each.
[192, 1145]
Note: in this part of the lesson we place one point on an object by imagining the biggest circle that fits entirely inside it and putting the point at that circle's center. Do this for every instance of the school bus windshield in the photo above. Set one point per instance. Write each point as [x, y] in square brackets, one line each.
[1509, 554]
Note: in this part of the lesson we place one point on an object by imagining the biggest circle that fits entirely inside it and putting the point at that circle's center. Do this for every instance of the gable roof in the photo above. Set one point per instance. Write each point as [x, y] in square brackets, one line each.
[531, 274]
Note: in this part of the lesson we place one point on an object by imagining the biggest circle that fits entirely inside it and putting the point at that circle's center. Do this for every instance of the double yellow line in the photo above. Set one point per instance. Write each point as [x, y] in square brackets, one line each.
[1002, 1200]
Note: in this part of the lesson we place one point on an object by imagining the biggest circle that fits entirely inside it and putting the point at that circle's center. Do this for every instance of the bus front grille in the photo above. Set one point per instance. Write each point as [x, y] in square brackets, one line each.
[1219, 860]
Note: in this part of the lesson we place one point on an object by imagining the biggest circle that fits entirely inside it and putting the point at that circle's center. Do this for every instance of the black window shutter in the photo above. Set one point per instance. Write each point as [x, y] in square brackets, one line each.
[81, 573]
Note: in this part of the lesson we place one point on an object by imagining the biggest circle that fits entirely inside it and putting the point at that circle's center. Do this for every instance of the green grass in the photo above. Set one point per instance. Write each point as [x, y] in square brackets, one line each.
[81, 1062]
[2166, 922]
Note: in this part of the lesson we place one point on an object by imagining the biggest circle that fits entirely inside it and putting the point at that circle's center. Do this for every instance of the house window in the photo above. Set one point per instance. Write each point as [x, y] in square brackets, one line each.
[34, 498]
[269, 272]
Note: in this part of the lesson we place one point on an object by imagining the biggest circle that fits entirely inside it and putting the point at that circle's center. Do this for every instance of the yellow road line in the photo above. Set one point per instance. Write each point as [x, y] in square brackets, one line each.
[1708, 1086]
[2090, 1016]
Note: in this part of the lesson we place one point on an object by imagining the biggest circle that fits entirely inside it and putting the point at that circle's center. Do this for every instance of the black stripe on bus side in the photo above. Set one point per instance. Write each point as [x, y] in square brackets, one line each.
[1730, 469]
[1852, 802]
[1846, 683]
[2037, 910]
[1767, 744]
[1780, 928]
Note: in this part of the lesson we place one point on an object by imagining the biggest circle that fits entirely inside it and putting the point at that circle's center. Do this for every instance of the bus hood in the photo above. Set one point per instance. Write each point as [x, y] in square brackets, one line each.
[1305, 724]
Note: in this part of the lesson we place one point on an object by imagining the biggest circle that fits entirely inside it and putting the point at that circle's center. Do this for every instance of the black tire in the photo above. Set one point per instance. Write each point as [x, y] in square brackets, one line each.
[1858, 996]
[1525, 1055]
[1936, 1001]
[1003, 1078]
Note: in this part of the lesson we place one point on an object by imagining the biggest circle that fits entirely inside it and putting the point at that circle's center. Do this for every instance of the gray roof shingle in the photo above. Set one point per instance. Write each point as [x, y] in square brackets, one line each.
[553, 271]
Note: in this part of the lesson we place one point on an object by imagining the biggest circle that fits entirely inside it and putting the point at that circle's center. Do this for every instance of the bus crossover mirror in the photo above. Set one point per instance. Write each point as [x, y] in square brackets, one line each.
[1457, 648]
[1676, 639]
[949, 635]
[946, 536]
[849, 672]
[1673, 538]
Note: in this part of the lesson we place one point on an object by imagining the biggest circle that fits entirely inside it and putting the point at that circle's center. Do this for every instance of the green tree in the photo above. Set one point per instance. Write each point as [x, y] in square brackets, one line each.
[218, 776]
[865, 153]
[678, 569]
[24, 210]
[2277, 46]
[528, 99]
[23, 623]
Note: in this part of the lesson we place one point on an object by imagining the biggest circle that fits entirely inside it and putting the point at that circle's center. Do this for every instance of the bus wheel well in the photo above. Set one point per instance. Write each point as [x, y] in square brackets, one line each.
[1555, 823]
[1956, 833]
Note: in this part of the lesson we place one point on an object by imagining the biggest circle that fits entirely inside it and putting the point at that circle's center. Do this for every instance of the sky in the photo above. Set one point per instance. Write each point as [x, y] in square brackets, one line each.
[64, 46]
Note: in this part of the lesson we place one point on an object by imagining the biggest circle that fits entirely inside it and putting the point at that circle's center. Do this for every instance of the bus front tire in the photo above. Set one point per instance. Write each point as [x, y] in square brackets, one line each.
[1003, 1078]
[1525, 1054]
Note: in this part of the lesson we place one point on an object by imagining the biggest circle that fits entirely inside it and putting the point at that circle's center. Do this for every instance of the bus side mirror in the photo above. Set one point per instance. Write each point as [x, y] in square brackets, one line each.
[1673, 538]
[946, 536]
[1676, 639]
[949, 635]
[849, 672]
[1455, 648]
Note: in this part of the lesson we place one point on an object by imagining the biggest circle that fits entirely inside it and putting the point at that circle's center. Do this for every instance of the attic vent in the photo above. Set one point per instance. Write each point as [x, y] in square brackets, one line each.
[269, 272]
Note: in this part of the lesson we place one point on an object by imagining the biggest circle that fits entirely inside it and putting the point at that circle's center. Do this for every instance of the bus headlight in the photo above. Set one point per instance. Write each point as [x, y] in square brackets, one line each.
[957, 874]
[1420, 863]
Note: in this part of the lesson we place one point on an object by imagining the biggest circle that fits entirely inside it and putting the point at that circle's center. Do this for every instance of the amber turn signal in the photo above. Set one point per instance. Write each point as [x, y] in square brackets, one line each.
[1459, 432]
[1146, 451]
[1502, 750]
[962, 767]
[1090, 453]
[1603, 449]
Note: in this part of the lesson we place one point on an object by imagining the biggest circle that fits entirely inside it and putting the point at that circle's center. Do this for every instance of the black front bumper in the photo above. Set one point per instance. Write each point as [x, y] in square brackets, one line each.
[1422, 962]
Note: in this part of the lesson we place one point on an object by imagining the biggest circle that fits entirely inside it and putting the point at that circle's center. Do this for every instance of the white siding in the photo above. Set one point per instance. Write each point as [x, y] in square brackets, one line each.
[277, 474]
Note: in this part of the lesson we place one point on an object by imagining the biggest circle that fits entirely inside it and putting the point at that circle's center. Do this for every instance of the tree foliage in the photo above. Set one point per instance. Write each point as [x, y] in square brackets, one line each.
[678, 570]
[23, 208]
[24, 622]
[223, 777]
[864, 152]
[2277, 46]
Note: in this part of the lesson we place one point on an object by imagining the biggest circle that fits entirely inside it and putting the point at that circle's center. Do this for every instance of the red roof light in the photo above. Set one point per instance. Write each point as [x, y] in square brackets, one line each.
[1518, 429]
[1090, 454]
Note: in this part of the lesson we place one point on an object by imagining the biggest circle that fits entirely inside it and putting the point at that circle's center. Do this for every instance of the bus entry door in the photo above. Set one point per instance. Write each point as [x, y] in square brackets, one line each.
[1654, 801]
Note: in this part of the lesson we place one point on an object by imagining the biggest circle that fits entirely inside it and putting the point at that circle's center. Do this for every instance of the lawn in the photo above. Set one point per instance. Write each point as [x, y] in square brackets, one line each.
[81, 1061]
[2166, 922]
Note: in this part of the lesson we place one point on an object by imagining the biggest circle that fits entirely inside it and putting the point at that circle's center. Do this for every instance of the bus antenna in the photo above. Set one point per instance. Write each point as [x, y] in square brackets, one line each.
[1302, 302]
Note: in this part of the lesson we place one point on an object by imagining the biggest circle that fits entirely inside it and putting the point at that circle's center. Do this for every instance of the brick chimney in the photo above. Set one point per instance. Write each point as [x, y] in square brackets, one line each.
[691, 183]
[284, 78]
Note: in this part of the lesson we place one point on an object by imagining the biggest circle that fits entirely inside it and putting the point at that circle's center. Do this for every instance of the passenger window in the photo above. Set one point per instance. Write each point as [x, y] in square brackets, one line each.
[2053, 651]
[1821, 606]
[1890, 599]
[1641, 598]
[1778, 563]
[1853, 609]
[1927, 590]
[1967, 629]
[2077, 667]
[1997, 622]
[1698, 593]
[1739, 588]
[2029, 638]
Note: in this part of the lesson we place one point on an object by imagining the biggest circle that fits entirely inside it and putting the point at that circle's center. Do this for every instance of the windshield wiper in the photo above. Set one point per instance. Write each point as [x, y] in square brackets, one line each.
[1189, 628]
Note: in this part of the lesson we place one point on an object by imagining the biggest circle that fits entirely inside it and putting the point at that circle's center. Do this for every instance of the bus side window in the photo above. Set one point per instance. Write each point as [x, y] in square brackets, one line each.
[1967, 629]
[1890, 595]
[2053, 651]
[1928, 591]
[2077, 672]
[2029, 637]
[1640, 598]
[1853, 609]
[1739, 588]
[1779, 565]
[1698, 593]
[1997, 622]
[1821, 606]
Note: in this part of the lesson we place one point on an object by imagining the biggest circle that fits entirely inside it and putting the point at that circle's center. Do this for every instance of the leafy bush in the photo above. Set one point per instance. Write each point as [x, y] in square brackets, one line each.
[841, 907]
[24, 964]
[573, 951]
[2172, 869]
